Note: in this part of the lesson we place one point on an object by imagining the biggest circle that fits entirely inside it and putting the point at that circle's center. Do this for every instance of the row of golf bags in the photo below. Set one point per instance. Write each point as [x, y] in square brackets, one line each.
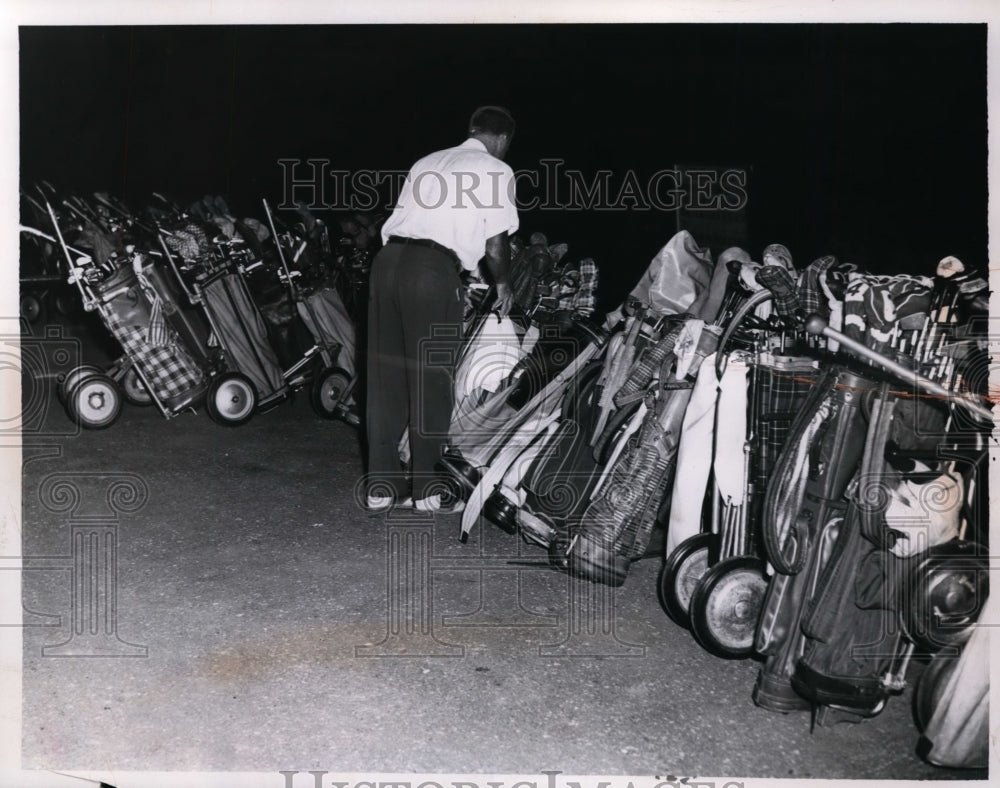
[807, 449]
[202, 306]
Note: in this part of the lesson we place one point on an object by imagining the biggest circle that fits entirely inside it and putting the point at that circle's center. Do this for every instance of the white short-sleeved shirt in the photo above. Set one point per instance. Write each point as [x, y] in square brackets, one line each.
[459, 198]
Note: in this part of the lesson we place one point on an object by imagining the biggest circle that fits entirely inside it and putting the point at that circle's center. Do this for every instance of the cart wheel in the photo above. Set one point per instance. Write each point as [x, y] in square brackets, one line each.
[930, 686]
[681, 573]
[134, 389]
[328, 391]
[67, 303]
[949, 586]
[32, 307]
[73, 377]
[95, 402]
[501, 511]
[231, 399]
[726, 605]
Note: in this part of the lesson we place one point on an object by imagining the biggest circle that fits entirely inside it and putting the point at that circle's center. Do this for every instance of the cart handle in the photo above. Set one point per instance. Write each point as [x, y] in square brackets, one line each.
[32, 231]
[818, 326]
[281, 253]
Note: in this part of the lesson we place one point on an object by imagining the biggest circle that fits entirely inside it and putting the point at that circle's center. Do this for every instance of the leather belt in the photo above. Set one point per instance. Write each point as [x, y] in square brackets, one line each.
[426, 242]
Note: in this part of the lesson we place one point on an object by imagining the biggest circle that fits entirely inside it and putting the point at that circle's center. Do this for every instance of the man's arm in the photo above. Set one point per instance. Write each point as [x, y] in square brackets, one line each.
[498, 262]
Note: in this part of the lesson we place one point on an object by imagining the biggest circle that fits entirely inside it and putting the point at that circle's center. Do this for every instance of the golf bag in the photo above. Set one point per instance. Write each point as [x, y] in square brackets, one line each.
[240, 330]
[804, 511]
[616, 527]
[853, 574]
[558, 485]
[136, 315]
[325, 315]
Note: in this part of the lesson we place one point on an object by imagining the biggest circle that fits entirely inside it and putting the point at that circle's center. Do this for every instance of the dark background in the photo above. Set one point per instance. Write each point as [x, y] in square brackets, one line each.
[865, 141]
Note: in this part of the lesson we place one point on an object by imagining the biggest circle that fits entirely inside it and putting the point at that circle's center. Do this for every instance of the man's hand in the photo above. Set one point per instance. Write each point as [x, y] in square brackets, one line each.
[505, 300]
[498, 261]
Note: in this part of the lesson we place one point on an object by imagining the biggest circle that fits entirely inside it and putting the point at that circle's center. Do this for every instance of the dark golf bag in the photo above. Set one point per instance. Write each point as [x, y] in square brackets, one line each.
[857, 560]
[189, 322]
[566, 475]
[532, 386]
[211, 269]
[241, 331]
[804, 510]
[499, 442]
[557, 488]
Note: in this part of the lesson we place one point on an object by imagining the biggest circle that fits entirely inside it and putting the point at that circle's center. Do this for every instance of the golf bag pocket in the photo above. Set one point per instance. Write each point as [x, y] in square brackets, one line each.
[849, 626]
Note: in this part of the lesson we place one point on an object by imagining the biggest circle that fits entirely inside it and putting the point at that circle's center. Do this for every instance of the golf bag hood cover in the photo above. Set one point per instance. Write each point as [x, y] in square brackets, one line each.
[190, 241]
[95, 240]
[493, 355]
[678, 274]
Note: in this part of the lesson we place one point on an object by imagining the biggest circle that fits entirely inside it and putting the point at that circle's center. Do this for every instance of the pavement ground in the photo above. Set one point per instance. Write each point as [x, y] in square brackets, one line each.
[262, 621]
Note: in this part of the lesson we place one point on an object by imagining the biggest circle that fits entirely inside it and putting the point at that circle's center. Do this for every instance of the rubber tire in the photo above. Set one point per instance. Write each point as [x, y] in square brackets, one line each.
[954, 558]
[95, 402]
[501, 511]
[73, 377]
[32, 307]
[134, 389]
[465, 474]
[67, 303]
[228, 390]
[327, 391]
[719, 619]
[680, 574]
[930, 685]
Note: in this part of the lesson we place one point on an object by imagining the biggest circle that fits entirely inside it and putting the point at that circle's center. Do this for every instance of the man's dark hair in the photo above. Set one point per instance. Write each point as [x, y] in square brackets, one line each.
[492, 120]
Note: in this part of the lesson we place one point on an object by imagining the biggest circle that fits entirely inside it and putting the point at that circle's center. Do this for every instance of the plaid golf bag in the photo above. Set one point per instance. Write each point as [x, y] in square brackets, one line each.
[135, 315]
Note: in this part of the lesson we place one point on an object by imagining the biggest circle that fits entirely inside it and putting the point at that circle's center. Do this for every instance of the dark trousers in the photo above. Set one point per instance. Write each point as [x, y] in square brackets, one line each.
[415, 309]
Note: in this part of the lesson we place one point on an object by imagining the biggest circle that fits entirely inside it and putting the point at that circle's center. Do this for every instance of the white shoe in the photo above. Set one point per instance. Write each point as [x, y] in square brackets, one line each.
[432, 503]
[376, 504]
